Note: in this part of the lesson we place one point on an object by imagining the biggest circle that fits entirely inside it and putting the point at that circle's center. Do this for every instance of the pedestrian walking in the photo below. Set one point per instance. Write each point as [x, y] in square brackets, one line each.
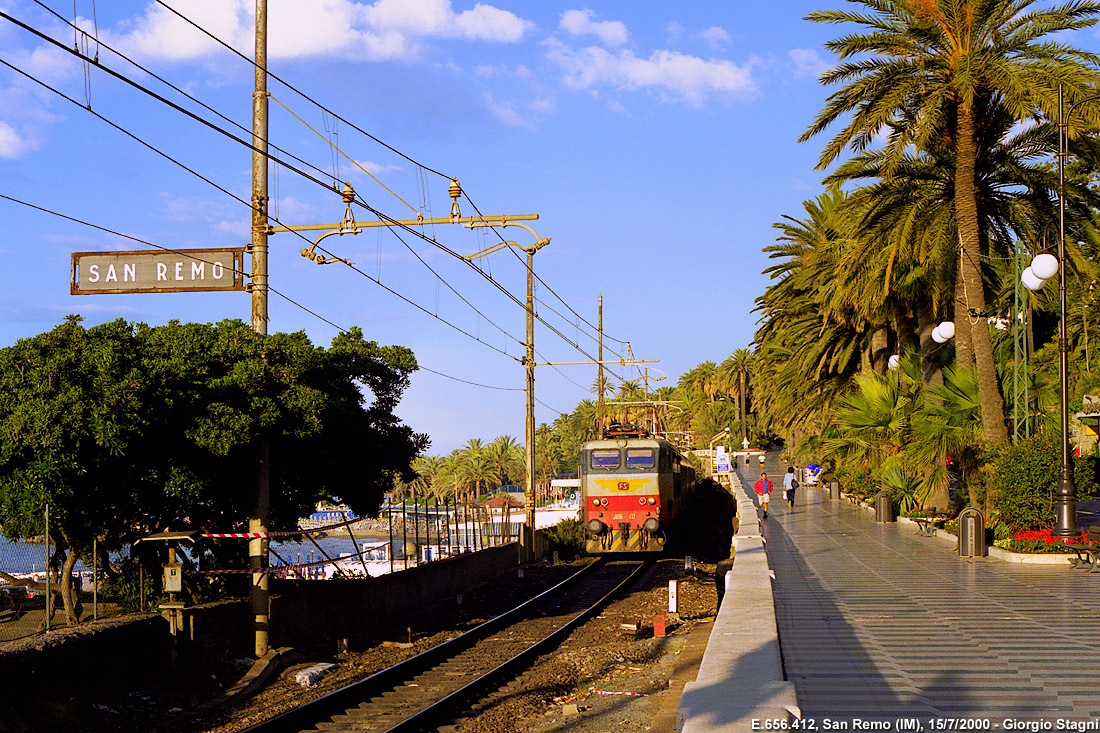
[763, 488]
[790, 483]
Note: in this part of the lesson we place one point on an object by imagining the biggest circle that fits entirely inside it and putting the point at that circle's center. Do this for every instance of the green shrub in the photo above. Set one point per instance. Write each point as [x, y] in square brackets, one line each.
[125, 587]
[1023, 480]
[567, 537]
[1086, 475]
[1025, 476]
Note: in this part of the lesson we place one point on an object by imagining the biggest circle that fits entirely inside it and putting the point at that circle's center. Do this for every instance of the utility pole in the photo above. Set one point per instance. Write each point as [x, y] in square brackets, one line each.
[599, 379]
[529, 494]
[258, 592]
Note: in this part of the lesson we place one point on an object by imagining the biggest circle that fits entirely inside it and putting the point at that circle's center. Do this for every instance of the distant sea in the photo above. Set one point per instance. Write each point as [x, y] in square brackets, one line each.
[29, 557]
[26, 557]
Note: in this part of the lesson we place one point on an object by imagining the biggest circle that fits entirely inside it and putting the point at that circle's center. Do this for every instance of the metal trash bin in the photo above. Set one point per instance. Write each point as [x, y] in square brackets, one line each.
[834, 489]
[971, 533]
[884, 506]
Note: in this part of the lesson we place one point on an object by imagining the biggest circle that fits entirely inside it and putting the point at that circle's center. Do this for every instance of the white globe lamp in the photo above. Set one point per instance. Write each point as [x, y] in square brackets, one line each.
[893, 361]
[1044, 266]
[937, 336]
[1030, 280]
[947, 330]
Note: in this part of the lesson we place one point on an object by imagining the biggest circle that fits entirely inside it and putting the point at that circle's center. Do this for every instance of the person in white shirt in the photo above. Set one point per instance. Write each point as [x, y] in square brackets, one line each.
[789, 485]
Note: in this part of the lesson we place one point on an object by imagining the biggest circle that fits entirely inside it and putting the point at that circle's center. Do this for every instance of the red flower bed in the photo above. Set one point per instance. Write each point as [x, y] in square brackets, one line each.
[1041, 540]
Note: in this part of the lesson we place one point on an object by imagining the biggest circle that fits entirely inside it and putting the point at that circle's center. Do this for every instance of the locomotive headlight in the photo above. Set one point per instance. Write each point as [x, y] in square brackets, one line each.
[641, 500]
[596, 527]
[652, 500]
[595, 502]
[651, 525]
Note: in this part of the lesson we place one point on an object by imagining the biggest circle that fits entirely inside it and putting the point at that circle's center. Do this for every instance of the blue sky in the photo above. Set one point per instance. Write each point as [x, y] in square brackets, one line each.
[656, 141]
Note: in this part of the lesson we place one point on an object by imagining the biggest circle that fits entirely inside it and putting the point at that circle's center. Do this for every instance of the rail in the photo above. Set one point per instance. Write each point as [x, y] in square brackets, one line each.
[448, 702]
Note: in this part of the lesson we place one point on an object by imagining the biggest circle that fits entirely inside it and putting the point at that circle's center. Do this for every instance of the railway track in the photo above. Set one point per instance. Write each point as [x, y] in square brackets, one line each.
[429, 689]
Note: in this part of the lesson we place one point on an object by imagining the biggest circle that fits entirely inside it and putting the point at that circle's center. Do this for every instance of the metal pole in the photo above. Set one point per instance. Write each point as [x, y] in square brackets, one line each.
[49, 594]
[257, 523]
[95, 580]
[1065, 497]
[404, 534]
[529, 494]
[389, 515]
[599, 379]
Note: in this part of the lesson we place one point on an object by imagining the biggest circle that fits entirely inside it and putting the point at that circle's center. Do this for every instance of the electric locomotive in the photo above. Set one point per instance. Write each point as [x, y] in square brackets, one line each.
[633, 487]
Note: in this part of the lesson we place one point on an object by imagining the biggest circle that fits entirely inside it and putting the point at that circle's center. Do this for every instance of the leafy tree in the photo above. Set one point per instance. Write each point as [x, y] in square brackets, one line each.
[922, 72]
[126, 429]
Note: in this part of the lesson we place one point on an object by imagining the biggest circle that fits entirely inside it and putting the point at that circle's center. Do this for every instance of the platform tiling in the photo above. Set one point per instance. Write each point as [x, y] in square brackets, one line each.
[877, 622]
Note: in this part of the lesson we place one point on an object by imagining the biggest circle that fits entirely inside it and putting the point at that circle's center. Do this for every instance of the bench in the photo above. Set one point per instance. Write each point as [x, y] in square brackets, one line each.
[925, 528]
[1087, 554]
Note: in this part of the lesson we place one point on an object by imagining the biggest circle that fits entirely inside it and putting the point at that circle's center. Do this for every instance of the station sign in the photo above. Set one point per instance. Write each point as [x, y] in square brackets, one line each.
[158, 271]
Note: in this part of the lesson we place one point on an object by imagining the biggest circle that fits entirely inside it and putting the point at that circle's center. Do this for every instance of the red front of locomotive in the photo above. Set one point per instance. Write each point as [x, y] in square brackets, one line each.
[626, 494]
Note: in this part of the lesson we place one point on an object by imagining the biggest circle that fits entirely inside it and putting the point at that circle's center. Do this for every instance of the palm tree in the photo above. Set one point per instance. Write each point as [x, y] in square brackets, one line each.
[809, 343]
[506, 460]
[473, 465]
[921, 73]
[947, 423]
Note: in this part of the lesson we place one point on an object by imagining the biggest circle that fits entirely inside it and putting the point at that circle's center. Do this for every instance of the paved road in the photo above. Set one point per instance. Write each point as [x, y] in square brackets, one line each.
[876, 622]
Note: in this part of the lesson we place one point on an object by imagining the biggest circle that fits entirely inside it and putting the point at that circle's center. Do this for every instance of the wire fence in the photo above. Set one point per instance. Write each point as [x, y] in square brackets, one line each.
[403, 536]
[333, 545]
[25, 569]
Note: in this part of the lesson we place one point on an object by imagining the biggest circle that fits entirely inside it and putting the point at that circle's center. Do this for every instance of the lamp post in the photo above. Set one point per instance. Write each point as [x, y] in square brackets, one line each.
[528, 544]
[1065, 497]
[1043, 267]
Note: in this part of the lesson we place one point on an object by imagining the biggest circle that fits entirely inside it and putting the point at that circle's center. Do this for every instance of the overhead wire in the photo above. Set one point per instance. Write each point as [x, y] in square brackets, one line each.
[282, 295]
[163, 100]
[535, 275]
[392, 222]
[382, 217]
[322, 107]
[240, 200]
[297, 91]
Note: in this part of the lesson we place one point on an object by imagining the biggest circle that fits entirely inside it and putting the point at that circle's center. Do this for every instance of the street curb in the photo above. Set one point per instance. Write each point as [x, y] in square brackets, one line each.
[741, 678]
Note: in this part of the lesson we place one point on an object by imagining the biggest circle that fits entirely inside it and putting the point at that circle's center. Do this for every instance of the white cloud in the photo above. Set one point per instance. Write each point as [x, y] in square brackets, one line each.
[385, 29]
[670, 74]
[519, 72]
[715, 37]
[506, 113]
[807, 64]
[486, 23]
[378, 169]
[676, 31]
[543, 106]
[239, 228]
[580, 23]
[12, 145]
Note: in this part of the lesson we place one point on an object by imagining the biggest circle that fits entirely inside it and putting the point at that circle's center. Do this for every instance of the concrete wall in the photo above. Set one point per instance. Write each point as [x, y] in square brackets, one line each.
[741, 676]
[302, 613]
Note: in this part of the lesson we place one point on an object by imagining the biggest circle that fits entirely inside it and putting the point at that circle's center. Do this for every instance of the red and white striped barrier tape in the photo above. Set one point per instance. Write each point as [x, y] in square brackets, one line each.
[585, 696]
[266, 535]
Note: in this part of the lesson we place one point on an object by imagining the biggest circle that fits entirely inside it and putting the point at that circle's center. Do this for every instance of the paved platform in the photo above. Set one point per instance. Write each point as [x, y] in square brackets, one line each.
[877, 623]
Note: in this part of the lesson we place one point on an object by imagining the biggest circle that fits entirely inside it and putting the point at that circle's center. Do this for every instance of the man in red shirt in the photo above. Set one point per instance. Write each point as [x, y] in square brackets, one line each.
[763, 487]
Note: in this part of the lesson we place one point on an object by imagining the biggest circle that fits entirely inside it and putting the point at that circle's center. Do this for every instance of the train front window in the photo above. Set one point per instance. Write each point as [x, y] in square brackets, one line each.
[640, 458]
[604, 459]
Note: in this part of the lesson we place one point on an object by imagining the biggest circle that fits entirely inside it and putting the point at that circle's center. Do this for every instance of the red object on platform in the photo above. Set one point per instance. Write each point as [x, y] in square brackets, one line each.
[659, 625]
